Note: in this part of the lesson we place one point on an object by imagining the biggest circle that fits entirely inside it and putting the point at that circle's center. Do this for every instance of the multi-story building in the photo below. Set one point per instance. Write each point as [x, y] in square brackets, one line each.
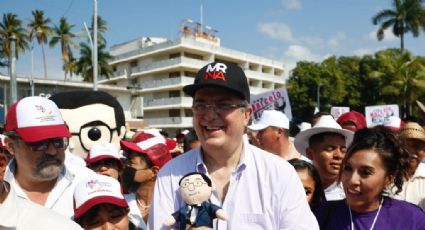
[156, 69]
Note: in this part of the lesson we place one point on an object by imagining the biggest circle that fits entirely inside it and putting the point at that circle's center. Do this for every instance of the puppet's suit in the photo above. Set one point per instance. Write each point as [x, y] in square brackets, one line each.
[205, 216]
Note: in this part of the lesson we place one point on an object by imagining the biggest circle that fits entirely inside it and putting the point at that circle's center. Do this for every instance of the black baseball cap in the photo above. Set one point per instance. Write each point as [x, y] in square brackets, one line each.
[221, 74]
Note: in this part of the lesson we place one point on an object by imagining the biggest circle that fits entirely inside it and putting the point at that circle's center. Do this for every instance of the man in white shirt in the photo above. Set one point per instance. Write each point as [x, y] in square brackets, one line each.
[37, 137]
[273, 135]
[259, 190]
[412, 136]
[325, 144]
[18, 213]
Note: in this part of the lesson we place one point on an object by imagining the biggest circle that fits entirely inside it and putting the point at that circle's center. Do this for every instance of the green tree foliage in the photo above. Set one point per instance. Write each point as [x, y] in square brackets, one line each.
[402, 77]
[39, 27]
[102, 27]
[62, 34]
[389, 77]
[11, 25]
[406, 16]
[85, 66]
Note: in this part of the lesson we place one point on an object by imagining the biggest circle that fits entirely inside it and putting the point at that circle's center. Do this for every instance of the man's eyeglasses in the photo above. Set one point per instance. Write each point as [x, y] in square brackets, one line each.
[220, 108]
[41, 146]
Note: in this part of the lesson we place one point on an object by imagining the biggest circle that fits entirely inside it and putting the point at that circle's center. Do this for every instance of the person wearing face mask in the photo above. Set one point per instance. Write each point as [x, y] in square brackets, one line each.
[145, 155]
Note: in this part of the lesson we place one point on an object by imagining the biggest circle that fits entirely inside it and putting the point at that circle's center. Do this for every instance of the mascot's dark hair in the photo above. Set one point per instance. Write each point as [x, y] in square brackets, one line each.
[79, 98]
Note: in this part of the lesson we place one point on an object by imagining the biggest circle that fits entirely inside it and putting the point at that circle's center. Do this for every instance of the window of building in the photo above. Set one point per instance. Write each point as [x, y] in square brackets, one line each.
[174, 74]
[175, 55]
[174, 93]
[133, 64]
[189, 74]
[174, 113]
[188, 113]
[193, 56]
[221, 60]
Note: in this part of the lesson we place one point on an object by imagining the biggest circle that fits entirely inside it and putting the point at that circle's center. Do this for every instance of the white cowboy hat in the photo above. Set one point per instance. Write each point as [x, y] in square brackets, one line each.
[325, 124]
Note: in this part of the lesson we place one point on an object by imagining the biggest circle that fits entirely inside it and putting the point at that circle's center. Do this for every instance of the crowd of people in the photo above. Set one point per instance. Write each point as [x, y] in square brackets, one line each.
[336, 174]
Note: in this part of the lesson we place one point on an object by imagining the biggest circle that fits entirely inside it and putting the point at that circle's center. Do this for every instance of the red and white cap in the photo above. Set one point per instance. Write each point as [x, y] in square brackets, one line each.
[101, 151]
[36, 118]
[97, 189]
[151, 143]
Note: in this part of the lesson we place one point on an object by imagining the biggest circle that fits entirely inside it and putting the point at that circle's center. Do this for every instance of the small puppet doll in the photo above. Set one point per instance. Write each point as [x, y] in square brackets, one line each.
[196, 189]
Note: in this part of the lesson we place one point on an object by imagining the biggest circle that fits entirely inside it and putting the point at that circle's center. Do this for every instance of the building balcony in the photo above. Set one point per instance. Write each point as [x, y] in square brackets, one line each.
[169, 122]
[167, 103]
[168, 63]
[143, 51]
[264, 76]
[167, 82]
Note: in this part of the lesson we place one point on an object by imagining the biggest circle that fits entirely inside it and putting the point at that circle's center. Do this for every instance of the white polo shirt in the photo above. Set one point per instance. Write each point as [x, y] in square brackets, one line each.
[18, 213]
[413, 189]
[60, 198]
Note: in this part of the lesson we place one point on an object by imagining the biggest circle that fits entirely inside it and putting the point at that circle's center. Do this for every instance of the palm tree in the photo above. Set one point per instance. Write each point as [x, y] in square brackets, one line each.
[406, 16]
[40, 29]
[85, 66]
[70, 66]
[63, 34]
[102, 27]
[11, 25]
[403, 77]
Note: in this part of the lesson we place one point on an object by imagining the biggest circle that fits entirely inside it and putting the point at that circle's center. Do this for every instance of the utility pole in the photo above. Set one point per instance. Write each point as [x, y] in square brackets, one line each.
[94, 51]
[318, 96]
[32, 68]
[13, 97]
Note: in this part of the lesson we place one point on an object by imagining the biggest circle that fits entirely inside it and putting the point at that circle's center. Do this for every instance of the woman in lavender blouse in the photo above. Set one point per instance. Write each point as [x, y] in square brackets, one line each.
[373, 162]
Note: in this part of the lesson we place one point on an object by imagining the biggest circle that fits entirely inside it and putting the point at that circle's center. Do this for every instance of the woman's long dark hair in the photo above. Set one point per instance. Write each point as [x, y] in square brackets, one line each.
[383, 142]
[319, 194]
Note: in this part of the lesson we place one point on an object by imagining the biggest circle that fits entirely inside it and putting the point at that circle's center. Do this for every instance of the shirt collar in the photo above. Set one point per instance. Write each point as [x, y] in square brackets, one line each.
[246, 158]
[420, 171]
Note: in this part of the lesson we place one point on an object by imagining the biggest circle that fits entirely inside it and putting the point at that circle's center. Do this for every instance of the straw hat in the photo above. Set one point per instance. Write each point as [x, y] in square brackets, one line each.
[325, 124]
[412, 130]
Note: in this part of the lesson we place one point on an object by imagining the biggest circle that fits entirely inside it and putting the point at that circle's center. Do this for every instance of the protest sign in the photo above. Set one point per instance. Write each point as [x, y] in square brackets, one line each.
[380, 114]
[271, 100]
[337, 111]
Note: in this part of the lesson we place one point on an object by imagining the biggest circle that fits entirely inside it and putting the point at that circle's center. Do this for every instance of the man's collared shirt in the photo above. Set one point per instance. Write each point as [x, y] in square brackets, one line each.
[60, 199]
[18, 213]
[413, 189]
[264, 192]
[334, 192]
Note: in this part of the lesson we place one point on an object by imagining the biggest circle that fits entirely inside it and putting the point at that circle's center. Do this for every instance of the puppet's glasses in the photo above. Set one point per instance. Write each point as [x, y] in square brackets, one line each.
[93, 132]
[197, 183]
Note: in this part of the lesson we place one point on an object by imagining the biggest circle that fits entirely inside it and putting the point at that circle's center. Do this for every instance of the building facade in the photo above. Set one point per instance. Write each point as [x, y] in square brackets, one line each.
[155, 70]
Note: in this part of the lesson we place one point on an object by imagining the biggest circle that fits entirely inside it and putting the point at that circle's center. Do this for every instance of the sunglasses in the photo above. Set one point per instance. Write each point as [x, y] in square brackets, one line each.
[41, 146]
[108, 163]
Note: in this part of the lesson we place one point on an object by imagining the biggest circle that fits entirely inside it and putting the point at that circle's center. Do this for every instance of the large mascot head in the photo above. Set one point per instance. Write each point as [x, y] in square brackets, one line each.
[92, 117]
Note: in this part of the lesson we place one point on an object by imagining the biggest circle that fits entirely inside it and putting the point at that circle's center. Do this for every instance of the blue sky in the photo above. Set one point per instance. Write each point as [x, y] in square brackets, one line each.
[286, 30]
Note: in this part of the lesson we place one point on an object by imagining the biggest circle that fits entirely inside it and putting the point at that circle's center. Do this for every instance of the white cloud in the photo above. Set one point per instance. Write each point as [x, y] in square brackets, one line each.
[335, 41]
[291, 4]
[296, 53]
[363, 51]
[276, 30]
[366, 51]
[388, 36]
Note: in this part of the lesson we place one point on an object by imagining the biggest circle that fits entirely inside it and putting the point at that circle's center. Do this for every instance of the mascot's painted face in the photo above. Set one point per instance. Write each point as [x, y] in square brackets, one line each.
[194, 189]
[90, 124]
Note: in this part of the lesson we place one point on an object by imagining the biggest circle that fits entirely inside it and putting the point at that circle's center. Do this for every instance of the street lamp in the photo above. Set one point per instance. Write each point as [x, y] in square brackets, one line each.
[12, 71]
[318, 96]
[94, 51]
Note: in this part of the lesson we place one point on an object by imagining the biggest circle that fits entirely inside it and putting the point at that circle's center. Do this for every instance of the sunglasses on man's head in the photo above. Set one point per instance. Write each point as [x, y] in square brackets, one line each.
[40, 146]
